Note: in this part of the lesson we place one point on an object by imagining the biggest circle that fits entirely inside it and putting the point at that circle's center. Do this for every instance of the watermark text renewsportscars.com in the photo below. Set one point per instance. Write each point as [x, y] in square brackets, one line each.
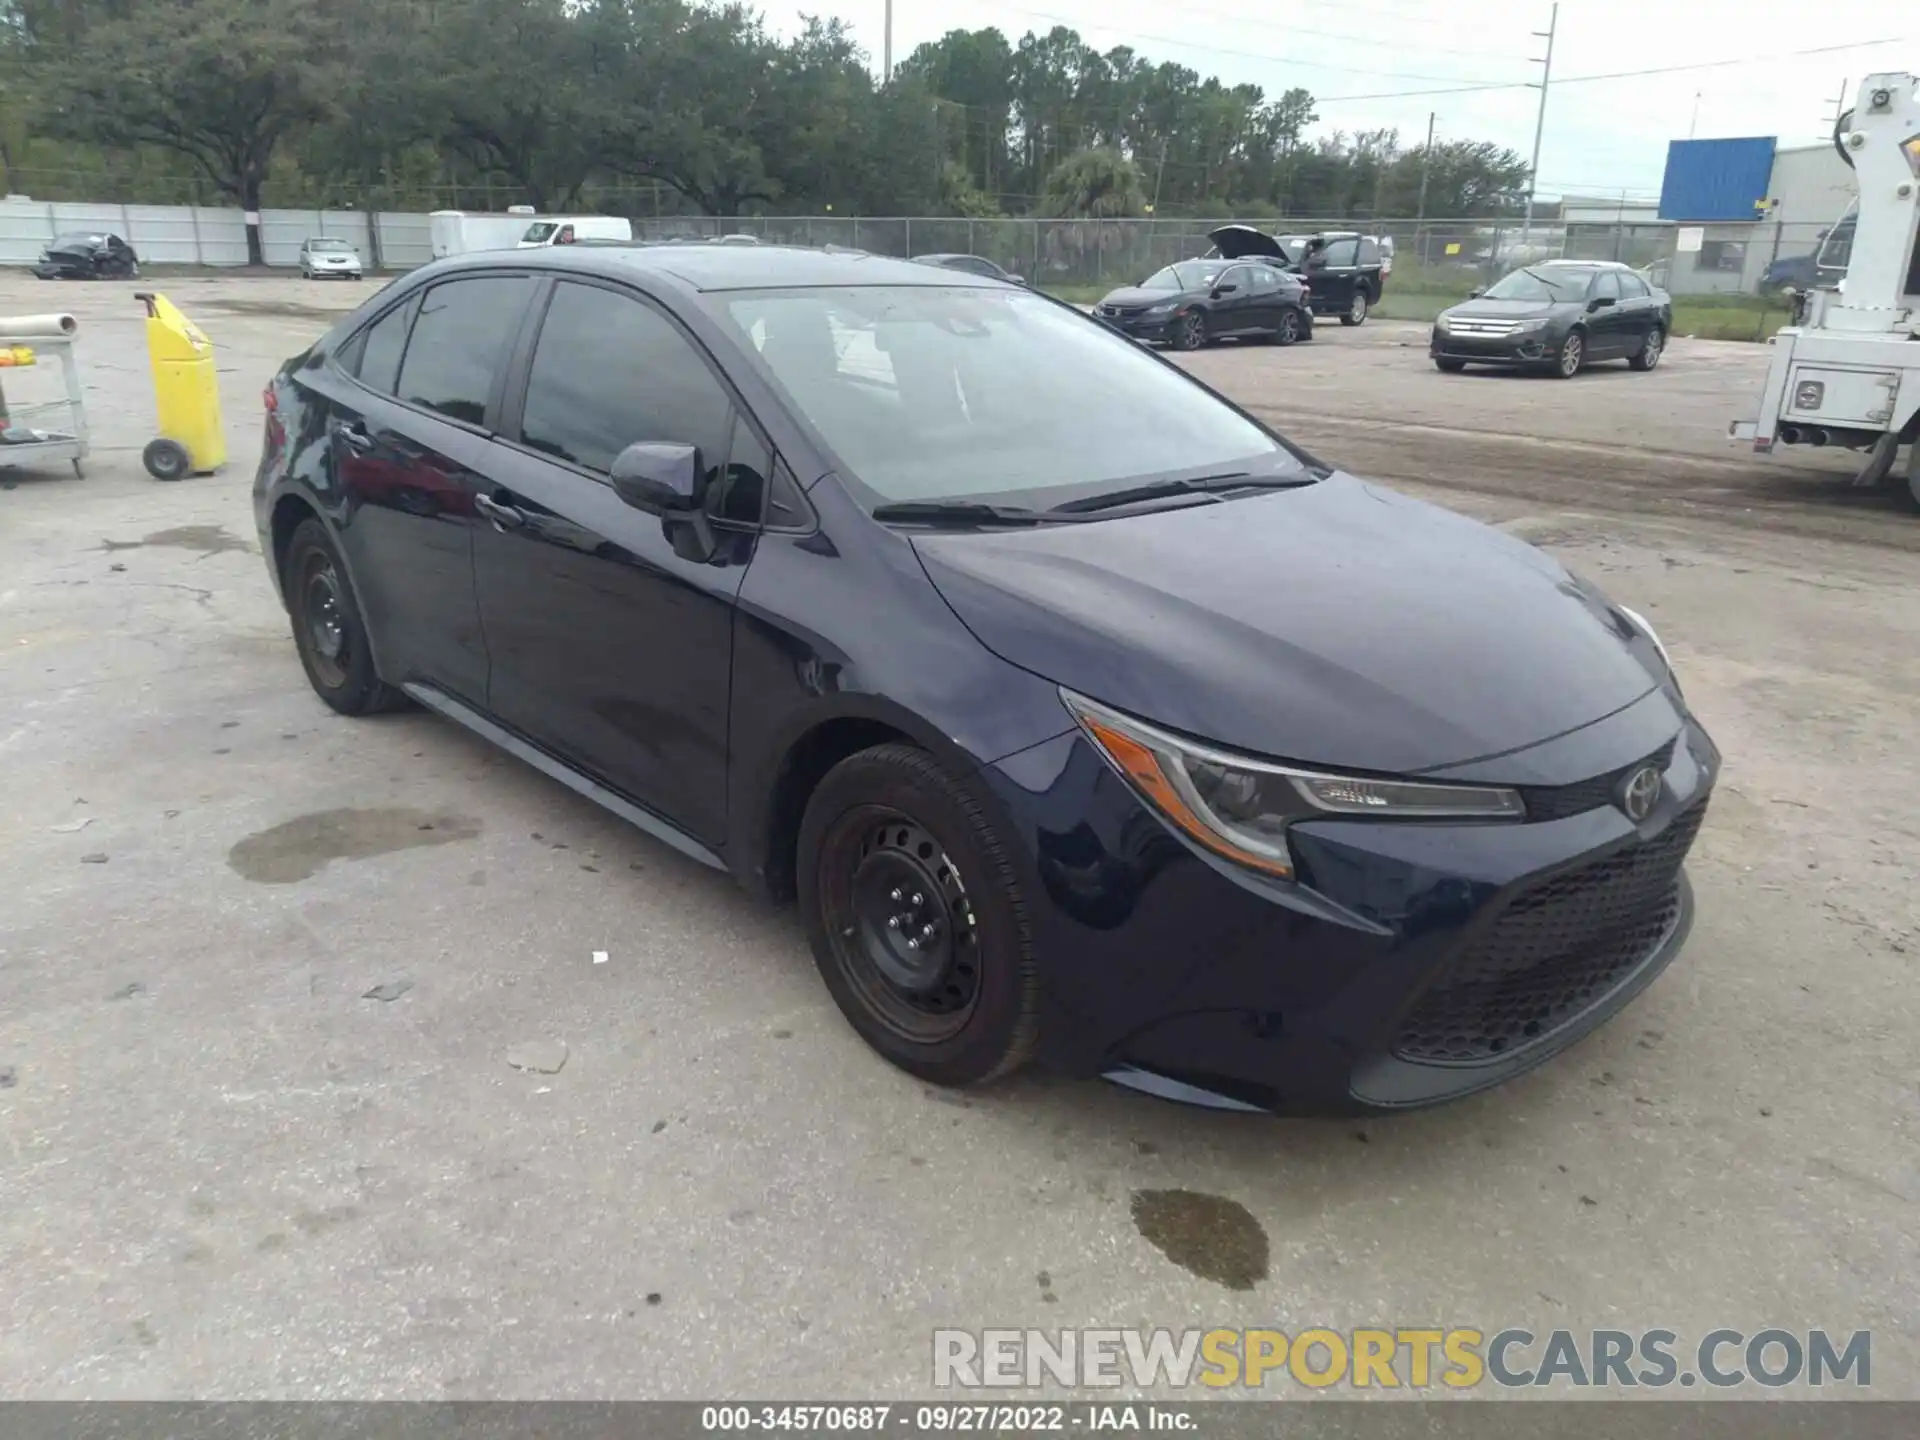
[1400, 1358]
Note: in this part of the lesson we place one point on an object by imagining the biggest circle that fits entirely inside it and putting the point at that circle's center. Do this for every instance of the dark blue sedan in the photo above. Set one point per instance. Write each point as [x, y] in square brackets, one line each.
[1089, 720]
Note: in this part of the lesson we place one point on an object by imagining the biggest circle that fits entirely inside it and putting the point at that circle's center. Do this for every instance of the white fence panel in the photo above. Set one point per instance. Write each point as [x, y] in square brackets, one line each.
[406, 240]
[283, 232]
[25, 228]
[163, 234]
[223, 236]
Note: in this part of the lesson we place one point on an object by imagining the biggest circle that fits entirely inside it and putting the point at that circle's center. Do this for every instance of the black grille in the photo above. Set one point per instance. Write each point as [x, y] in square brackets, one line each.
[1556, 802]
[1554, 952]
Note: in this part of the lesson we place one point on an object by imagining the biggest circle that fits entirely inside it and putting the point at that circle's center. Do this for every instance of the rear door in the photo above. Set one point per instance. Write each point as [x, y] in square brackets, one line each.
[1643, 311]
[1267, 296]
[612, 641]
[410, 450]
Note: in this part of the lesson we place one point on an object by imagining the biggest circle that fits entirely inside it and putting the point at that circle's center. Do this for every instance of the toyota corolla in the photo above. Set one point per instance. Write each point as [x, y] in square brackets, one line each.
[1089, 720]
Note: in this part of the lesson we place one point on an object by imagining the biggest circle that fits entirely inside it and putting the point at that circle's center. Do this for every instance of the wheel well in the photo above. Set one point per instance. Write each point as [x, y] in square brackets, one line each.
[288, 512]
[802, 769]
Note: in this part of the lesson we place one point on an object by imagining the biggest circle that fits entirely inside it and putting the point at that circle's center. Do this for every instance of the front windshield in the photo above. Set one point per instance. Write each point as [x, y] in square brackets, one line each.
[540, 230]
[934, 393]
[1187, 275]
[1294, 247]
[1538, 284]
[327, 245]
[62, 241]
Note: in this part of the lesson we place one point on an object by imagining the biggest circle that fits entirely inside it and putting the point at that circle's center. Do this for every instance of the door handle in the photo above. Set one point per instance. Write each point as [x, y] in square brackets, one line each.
[504, 517]
[353, 434]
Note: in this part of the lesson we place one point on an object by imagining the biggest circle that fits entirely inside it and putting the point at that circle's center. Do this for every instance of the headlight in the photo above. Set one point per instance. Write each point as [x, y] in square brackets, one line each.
[1528, 327]
[1639, 622]
[1162, 308]
[1442, 324]
[1240, 807]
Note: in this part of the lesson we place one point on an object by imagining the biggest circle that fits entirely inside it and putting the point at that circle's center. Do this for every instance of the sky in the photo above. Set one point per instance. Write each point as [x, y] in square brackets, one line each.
[1601, 137]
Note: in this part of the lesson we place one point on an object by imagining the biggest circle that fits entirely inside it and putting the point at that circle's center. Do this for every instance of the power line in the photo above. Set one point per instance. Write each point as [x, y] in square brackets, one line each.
[1616, 74]
[1288, 28]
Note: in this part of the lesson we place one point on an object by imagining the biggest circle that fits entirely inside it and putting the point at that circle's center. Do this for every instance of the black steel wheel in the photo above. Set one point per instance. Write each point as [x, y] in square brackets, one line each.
[328, 629]
[166, 460]
[1191, 332]
[1450, 367]
[915, 918]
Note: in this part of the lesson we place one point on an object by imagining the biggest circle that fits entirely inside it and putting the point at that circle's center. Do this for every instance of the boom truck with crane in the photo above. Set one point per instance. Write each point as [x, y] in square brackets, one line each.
[1847, 372]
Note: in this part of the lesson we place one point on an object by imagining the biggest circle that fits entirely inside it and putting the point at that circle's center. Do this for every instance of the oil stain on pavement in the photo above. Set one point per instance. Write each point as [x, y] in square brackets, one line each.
[1216, 1239]
[205, 539]
[297, 849]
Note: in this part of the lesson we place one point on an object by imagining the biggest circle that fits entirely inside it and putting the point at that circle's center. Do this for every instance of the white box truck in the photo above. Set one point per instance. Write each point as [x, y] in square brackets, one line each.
[455, 232]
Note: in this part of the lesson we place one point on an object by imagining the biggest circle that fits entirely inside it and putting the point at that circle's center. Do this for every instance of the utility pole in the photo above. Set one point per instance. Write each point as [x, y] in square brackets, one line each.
[1159, 174]
[1694, 124]
[1420, 215]
[886, 52]
[1540, 123]
[1839, 105]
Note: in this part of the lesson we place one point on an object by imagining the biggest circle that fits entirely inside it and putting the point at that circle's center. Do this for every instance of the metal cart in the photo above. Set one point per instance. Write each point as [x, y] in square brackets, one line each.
[35, 431]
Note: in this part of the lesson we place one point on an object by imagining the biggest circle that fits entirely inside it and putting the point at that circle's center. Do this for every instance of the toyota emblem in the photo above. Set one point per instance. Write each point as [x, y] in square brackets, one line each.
[1638, 795]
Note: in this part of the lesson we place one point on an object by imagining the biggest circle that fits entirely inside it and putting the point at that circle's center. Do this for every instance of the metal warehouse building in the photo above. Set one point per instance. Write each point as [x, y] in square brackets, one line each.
[1738, 205]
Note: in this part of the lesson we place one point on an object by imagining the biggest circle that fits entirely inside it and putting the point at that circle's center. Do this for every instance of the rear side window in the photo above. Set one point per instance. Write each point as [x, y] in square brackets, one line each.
[1632, 287]
[459, 342]
[1369, 252]
[381, 347]
[609, 371]
[1342, 252]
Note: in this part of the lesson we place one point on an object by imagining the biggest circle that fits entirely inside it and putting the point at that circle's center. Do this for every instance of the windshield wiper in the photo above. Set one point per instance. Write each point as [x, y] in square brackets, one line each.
[965, 512]
[1172, 489]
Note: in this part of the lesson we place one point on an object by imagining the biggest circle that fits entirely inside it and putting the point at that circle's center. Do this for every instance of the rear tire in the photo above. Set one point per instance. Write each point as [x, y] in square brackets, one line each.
[328, 629]
[1356, 313]
[1650, 351]
[1289, 329]
[1451, 367]
[941, 980]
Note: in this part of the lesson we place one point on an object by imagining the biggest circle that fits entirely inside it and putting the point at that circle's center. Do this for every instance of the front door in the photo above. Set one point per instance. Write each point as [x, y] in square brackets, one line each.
[1237, 309]
[1610, 325]
[410, 454]
[611, 638]
[1332, 279]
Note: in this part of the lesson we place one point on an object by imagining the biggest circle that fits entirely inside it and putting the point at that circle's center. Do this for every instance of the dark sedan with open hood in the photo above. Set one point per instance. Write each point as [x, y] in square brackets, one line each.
[1194, 302]
[1557, 317]
[1088, 719]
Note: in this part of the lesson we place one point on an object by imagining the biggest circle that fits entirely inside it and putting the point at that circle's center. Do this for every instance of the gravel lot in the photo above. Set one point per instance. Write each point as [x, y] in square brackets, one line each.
[226, 1172]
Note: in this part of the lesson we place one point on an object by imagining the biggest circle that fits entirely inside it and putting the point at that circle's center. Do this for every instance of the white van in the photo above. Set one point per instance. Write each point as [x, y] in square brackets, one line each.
[566, 229]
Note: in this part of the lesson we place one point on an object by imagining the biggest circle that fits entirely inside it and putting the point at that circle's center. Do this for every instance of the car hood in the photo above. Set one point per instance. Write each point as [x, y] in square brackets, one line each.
[1340, 624]
[1234, 241]
[1135, 295]
[1508, 309]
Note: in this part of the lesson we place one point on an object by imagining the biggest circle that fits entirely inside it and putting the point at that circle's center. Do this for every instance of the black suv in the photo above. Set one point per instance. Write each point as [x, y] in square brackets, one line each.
[1344, 270]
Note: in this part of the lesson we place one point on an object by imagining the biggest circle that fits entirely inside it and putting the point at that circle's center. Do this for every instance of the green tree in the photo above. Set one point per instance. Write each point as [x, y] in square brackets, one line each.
[223, 82]
[1094, 185]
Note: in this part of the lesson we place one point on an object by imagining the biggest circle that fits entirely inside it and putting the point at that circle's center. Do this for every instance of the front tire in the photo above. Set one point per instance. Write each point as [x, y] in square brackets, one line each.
[1451, 367]
[1356, 313]
[1650, 350]
[916, 920]
[1191, 332]
[1571, 357]
[328, 628]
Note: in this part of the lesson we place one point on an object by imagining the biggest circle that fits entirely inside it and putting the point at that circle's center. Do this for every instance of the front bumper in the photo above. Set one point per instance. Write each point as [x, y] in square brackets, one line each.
[1412, 964]
[61, 270]
[1155, 330]
[1534, 348]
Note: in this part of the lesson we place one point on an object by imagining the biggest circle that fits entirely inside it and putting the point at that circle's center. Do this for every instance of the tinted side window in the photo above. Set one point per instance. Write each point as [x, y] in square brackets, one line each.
[1606, 285]
[381, 346]
[1342, 252]
[980, 267]
[1632, 287]
[460, 340]
[1238, 275]
[1369, 252]
[609, 371]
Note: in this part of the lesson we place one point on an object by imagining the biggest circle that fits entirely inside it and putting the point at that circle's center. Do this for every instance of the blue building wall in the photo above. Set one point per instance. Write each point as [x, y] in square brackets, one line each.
[1709, 180]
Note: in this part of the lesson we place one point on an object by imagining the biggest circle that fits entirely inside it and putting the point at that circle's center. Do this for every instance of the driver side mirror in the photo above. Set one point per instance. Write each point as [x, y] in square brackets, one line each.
[1476, 292]
[1226, 289]
[1599, 302]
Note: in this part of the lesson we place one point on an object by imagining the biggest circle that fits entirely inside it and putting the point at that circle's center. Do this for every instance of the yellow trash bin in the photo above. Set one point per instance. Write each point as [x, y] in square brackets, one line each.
[186, 393]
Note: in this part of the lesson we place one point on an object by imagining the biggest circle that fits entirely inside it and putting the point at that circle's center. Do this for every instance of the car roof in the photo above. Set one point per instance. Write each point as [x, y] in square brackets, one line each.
[1582, 265]
[703, 266]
